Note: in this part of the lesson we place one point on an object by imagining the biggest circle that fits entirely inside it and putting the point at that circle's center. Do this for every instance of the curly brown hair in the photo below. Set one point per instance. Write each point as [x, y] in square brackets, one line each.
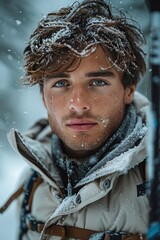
[63, 38]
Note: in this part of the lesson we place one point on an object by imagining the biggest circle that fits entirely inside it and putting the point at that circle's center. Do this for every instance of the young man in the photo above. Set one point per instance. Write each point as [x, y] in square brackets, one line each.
[87, 177]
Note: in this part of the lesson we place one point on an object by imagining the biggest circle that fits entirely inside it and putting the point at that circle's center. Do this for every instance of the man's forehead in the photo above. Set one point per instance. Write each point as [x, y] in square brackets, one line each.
[96, 64]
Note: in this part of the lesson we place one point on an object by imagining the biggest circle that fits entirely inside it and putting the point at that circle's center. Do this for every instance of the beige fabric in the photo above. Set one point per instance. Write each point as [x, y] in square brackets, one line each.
[107, 203]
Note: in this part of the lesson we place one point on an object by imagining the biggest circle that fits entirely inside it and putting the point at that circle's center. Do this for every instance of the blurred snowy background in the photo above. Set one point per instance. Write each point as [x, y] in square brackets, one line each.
[20, 106]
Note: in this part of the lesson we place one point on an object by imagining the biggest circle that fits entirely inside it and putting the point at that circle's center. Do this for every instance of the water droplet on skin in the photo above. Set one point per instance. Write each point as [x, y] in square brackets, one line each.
[71, 100]
[104, 122]
[74, 136]
[103, 68]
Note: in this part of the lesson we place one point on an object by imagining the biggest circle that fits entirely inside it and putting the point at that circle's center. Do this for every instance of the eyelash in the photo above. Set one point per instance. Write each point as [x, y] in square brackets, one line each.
[65, 83]
[99, 81]
[61, 81]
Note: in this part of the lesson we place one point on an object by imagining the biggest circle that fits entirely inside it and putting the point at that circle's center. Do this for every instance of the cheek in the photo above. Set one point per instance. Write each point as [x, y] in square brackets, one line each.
[105, 101]
[108, 106]
[55, 106]
[115, 99]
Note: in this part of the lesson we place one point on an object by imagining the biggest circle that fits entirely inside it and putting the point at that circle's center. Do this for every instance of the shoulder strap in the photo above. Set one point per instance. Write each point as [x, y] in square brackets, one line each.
[12, 198]
[36, 180]
[29, 188]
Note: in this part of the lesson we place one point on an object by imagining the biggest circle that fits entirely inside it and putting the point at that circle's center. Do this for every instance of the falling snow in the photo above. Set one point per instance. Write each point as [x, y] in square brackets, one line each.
[18, 22]
[13, 164]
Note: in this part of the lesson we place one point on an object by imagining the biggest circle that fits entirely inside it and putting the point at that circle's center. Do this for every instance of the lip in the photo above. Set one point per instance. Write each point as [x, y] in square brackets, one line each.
[80, 124]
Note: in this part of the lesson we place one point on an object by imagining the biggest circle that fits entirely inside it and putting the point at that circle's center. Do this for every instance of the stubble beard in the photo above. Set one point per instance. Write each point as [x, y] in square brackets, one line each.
[84, 141]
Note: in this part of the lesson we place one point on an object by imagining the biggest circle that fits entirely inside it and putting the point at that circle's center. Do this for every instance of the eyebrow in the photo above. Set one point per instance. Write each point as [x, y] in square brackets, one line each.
[100, 74]
[59, 75]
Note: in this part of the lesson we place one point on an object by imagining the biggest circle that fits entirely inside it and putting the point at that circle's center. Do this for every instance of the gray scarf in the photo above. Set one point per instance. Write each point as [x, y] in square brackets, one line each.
[128, 135]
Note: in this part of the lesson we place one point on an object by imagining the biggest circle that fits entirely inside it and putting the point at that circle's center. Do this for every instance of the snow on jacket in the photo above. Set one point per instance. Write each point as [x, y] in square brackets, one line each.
[108, 202]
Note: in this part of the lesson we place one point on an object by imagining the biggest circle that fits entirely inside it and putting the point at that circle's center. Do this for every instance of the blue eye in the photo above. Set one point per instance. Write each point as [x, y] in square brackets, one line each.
[61, 84]
[99, 83]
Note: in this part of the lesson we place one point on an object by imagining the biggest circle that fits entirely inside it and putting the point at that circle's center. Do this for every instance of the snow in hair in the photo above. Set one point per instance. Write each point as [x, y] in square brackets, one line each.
[63, 38]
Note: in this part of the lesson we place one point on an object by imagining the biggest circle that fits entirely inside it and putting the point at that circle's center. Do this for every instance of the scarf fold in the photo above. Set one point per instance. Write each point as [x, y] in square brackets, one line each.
[128, 135]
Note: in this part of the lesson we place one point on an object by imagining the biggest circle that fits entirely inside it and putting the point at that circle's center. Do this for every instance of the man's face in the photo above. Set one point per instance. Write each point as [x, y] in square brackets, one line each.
[85, 106]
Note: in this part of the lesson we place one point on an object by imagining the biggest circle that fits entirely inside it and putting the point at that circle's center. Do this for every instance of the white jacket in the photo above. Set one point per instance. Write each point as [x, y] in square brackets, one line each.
[106, 200]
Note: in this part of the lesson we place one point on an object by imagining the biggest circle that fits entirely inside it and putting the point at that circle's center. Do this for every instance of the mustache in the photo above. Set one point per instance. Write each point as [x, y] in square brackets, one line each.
[96, 118]
[79, 116]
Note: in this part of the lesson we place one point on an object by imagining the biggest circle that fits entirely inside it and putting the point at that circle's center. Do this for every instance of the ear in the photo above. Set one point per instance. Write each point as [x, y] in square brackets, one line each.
[129, 93]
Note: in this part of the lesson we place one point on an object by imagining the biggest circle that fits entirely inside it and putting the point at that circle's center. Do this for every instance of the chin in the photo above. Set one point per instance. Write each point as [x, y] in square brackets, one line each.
[83, 145]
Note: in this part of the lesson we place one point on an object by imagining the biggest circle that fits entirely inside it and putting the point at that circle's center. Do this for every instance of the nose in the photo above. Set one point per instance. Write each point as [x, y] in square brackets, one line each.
[79, 101]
